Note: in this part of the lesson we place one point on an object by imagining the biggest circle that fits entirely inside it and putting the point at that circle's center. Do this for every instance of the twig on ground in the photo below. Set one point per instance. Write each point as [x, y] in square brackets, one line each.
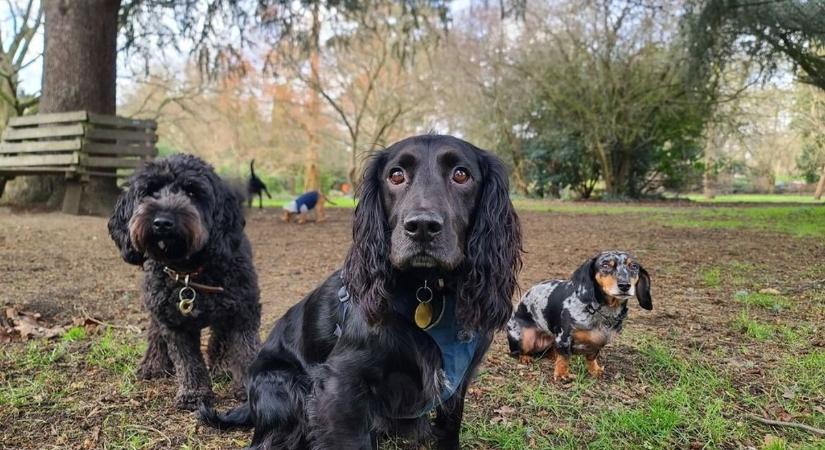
[88, 317]
[780, 423]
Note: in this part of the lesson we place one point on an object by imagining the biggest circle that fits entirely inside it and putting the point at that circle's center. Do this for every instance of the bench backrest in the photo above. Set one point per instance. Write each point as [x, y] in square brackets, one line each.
[76, 143]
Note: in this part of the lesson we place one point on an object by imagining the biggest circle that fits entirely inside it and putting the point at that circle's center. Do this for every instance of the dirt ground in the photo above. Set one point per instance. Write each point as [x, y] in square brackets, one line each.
[84, 394]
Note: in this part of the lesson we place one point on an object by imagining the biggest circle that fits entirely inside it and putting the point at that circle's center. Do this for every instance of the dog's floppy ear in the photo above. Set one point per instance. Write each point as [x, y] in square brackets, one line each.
[493, 257]
[119, 222]
[643, 290]
[230, 213]
[585, 276]
[367, 272]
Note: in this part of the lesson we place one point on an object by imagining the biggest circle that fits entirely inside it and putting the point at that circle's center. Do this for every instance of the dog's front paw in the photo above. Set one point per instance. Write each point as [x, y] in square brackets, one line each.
[595, 370]
[151, 371]
[563, 376]
[525, 359]
[190, 401]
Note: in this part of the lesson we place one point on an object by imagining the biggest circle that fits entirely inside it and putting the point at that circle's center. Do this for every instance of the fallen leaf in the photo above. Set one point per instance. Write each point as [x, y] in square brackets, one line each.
[770, 439]
[505, 411]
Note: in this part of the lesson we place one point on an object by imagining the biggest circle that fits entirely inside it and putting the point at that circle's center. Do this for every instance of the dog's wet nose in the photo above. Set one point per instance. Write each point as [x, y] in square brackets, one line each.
[423, 226]
[624, 287]
[162, 224]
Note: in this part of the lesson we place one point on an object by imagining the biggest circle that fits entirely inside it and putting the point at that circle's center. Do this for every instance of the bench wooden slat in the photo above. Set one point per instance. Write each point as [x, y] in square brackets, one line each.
[39, 146]
[37, 170]
[40, 160]
[122, 122]
[19, 134]
[121, 149]
[110, 174]
[112, 162]
[120, 135]
[40, 119]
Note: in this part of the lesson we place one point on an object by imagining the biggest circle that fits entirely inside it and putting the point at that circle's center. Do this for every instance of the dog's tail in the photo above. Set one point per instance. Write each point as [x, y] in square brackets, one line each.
[239, 417]
[252, 167]
[277, 392]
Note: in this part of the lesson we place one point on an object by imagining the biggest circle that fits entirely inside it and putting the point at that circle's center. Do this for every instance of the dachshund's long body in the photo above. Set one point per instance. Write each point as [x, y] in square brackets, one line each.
[580, 315]
[348, 364]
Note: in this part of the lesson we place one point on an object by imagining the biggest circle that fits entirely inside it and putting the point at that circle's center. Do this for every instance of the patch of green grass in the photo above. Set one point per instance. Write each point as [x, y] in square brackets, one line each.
[38, 356]
[118, 355]
[278, 201]
[773, 302]
[755, 198]
[687, 404]
[557, 206]
[120, 434]
[74, 334]
[511, 435]
[801, 385]
[752, 327]
[794, 220]
[711, 276]
[43, 382]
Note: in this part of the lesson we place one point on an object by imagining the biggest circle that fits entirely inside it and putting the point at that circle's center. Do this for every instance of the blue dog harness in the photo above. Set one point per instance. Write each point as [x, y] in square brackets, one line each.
[308, 200]
[458, 347]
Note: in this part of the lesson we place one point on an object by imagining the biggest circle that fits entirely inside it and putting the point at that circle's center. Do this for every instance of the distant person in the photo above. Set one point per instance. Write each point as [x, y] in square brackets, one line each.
[303, 205]
[256, 186]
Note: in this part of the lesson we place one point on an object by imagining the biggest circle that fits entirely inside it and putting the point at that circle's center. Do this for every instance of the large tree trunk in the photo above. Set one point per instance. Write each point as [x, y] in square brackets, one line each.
[709, 180]
[78, 74]
[820, 187]
[312, 173]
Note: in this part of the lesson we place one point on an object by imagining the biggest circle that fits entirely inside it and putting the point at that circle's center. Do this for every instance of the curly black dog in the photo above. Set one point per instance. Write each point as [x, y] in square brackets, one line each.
[401, 329]
[255, 186]
[184, 226]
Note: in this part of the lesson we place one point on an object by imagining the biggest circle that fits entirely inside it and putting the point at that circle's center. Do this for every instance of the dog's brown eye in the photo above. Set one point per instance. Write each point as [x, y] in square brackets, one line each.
[634, 266]
[460, 175]
[397, 176]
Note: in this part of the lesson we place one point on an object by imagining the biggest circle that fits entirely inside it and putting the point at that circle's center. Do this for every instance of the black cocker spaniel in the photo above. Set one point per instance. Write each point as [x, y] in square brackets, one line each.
[400, 330]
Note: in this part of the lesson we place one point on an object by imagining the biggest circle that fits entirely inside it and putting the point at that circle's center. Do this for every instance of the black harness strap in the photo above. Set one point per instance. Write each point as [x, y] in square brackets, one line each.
[343, 308]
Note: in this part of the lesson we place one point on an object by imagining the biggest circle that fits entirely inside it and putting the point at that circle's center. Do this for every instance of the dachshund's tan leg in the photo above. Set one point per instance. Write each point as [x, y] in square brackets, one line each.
[561, 371]
[533, 341]
[593, 368]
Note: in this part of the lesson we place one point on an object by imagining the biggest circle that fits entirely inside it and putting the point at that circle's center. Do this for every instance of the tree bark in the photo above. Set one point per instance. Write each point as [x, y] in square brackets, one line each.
[312, 173]
[708, 180]
[820, 187]
[79, 70]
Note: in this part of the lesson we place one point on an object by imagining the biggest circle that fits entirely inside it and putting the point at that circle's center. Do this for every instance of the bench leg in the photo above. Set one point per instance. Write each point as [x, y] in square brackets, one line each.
[71, 198]
[2, 185]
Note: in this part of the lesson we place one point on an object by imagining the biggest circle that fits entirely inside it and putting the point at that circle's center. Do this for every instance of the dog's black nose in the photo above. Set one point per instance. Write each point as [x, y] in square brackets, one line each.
[624, 287]
[423, 226]
[162, 224]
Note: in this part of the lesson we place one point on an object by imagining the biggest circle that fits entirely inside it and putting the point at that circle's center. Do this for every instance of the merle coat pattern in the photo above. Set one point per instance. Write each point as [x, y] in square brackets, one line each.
[178, 214]
[431, 208]
[580, 315]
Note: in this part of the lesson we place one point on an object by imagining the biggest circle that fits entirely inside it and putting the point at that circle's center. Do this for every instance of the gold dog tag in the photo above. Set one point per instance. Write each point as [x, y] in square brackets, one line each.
[187, 299]
[423, 315]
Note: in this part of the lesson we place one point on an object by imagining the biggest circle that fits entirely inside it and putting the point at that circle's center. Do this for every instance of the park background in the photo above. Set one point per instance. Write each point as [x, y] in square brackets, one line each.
[694, 128]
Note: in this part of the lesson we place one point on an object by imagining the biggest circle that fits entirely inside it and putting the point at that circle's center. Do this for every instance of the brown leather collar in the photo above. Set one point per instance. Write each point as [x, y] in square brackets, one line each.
[185, 279]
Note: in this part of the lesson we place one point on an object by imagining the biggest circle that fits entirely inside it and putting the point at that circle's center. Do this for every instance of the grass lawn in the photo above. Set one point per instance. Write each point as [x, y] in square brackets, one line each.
[736, 332]
[756, 198]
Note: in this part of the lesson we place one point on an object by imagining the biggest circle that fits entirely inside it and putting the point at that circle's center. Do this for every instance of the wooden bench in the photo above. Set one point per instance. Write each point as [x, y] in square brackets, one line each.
[79, 145]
